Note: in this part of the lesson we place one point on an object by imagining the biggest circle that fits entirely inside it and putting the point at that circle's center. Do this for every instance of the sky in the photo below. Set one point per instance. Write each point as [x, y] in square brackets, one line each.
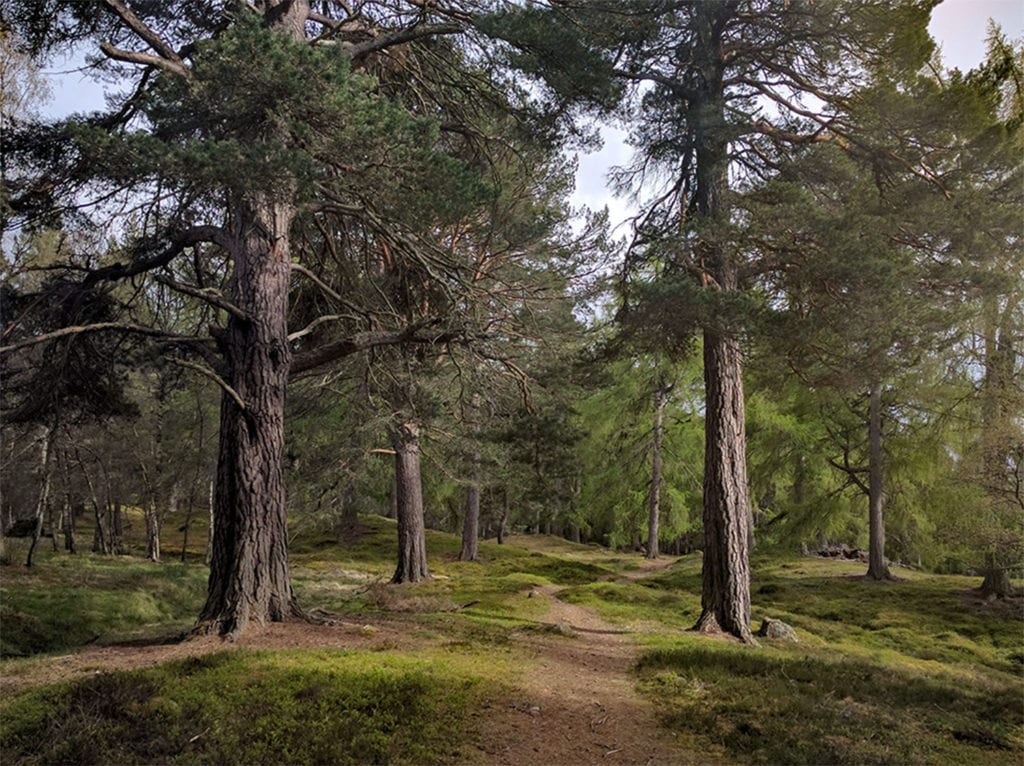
[959, 26]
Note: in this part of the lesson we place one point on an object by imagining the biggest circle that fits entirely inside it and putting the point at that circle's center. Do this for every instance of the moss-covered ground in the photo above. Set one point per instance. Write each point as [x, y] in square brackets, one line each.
[919, 671]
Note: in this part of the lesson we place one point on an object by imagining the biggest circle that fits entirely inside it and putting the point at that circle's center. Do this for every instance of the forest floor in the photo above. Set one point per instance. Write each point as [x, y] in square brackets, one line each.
[574, 699]
[545, 652]
[578, 702]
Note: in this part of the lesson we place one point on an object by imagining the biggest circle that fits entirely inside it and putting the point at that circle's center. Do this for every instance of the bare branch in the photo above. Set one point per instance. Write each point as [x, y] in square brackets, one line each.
[98, 327]
[146, 59]
[208, 294]
[151, 38]
[363, 341]
[207, 372]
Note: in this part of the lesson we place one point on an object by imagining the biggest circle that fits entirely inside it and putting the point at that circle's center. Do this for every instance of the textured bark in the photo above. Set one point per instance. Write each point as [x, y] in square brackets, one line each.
[412, 541]
[725, 575]
[471, 520]
[877, 567]
[996, 581]
[654, 504]
[249, 578]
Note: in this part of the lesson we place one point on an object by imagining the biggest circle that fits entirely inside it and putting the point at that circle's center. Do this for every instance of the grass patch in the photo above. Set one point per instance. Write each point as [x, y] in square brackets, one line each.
[912, 672]
[801, 705]
[69, 601]
[244, 707]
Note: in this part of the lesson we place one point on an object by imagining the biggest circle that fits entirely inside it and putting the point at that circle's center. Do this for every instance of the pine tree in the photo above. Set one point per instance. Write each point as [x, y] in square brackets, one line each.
[700, 73]
[239, 126]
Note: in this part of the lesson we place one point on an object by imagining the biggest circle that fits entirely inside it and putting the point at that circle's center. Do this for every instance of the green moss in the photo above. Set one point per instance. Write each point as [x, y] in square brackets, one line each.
[71, 601]
[797, 704]
[245, 707]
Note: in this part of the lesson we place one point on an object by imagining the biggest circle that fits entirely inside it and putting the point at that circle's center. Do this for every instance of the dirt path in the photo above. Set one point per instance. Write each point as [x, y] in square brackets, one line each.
[576, 701]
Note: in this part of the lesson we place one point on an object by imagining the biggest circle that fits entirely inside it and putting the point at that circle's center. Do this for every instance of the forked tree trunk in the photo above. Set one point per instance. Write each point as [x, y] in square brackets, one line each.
[725, 575]
[45, 441]
[471, 520]
[654, 505]
[412, 541]
[877, 567]
[249, 578]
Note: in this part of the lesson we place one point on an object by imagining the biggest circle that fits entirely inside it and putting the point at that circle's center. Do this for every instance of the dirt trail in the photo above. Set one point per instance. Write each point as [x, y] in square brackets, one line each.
[576, 702]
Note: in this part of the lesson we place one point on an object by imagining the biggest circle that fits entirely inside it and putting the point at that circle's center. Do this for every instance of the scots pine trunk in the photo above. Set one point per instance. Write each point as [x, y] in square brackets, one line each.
[725, 573]
[471, 521]
[412, 541]
[249, 579]
[654, 506]
[877, 567]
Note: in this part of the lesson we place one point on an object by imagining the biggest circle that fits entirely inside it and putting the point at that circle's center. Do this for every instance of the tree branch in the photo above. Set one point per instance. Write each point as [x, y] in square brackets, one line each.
[140, 28]
[98, 327]
[146, 59]
[399, 36]
[363, 341]
[207, 372]
[207, 294]
[179, 242]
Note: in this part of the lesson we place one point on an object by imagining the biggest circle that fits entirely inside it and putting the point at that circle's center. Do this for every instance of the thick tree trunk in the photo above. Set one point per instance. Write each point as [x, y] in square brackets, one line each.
[877, 567]
[654, 505]
[249, 578]
[471, 520]
[996, 581]
[725, 575]
[412, 541]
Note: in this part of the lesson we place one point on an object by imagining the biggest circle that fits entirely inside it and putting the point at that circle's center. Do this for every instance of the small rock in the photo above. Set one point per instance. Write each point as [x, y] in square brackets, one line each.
[563, 629]
[777, 629]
